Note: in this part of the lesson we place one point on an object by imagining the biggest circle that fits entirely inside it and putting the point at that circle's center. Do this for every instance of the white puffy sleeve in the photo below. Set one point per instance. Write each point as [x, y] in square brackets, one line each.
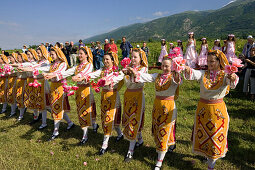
[232, 84]
[88, 69]
[26, 64]
[145, 77]
[66, 73]
[118, 78]
[60, 70]
[43, 68]
[95, 74]
[194, 74]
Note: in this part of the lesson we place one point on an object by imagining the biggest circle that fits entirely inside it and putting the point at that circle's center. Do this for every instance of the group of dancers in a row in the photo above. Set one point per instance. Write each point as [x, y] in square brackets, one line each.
[210, 130]
[199, 59]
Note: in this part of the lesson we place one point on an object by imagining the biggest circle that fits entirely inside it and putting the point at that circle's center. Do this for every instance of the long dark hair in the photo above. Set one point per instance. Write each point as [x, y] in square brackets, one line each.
[218, 44]
[193, 37]
[234, 39]
[163, 42]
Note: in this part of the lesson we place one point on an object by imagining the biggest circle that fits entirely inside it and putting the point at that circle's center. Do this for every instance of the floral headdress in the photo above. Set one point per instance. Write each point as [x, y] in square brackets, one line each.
[60, 54]
[143, 56]
[221, 56]
[5, 59]
[44, 52]
[115, 58]
[34, 54]
[90, 56]
[24, 57]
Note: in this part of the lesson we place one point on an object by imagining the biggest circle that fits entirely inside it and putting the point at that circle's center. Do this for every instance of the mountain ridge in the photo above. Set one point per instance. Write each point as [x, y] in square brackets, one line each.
[237, 17]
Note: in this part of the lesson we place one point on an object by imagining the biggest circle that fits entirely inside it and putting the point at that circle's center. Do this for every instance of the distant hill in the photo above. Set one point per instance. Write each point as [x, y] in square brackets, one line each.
[238, 18]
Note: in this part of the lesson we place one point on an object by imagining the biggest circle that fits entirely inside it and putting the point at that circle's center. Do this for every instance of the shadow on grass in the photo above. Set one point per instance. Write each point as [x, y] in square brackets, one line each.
[241, 113]
[238, 155]
[179, 161]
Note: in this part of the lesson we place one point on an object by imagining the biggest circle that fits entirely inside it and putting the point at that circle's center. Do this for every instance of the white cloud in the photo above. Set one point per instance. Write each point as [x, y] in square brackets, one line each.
[17, 40]
[229, 3]
[12, 24]
[160, 13]
[113, 28]
[141, 19]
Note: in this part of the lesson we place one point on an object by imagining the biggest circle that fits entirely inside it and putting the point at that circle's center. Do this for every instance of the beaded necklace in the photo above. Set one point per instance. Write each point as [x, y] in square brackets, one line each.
[161, 86]
[55, 66]
[81, 67]
[214, 82]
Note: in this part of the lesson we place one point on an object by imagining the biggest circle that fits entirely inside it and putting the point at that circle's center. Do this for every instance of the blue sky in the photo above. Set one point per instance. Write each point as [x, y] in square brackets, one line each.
[34, 21]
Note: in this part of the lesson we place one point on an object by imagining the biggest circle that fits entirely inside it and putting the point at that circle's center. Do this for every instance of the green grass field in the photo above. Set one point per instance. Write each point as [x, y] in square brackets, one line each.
[24, 147]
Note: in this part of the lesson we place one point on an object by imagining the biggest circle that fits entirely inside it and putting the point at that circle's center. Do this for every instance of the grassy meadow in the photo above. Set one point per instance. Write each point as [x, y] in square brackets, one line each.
[24, 147]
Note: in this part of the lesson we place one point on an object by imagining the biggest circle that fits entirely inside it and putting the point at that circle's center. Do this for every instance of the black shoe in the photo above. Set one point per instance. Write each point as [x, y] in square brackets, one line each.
[119, 138]
[128, 158]
[83, 141]
[95, 130]
[53, 137]
[34, 121]
[137, 145]
[70, 127]
[11, 115]
[20, 119]
[49, 110]
[3, 111]
[40, 116]
[158, 167]
[102, 151]
[42, 127]
[171, 148]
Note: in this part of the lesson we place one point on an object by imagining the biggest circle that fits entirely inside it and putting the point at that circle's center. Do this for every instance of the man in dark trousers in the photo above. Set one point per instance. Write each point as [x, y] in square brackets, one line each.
[73, 54]
[126, 48]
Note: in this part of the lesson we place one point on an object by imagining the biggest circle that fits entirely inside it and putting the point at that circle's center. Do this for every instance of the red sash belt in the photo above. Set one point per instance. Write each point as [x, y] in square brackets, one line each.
[111, 90]
[165, 97]
[83, 85]
[135, 90]
[211, 101]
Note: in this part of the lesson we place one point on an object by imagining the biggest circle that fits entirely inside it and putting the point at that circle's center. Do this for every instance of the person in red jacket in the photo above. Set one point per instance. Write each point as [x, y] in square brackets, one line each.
[113, 46]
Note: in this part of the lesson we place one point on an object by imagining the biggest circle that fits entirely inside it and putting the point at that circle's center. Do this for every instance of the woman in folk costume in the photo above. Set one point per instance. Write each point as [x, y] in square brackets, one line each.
[164, 111]
[30, 93]
[25, 61]
[11, 86]
[110, 98]
[41, 92]
[211, 120]
[86, 108]
[20, 84]
[134, 102]
[3, 83]
[58, 99]
[230, 50]
[191, 54]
